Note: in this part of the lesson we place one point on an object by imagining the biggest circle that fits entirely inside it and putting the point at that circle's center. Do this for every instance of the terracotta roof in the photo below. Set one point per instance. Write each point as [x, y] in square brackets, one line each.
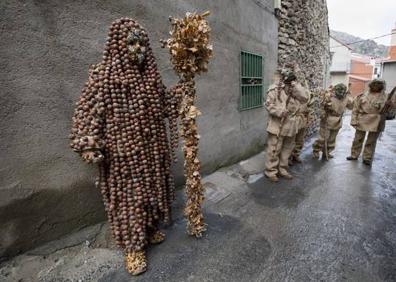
[338, 71]
[359, 77]
[388, 61]
[360, 58]
[380, 60]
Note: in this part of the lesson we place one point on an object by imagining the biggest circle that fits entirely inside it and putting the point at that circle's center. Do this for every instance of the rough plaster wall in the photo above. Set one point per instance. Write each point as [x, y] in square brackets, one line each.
[46, 48]
[339, 78]
[304, 38]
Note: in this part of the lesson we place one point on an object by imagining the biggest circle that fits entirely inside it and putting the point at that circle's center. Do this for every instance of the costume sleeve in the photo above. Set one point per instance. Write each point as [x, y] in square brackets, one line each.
[355, 110]
[300, 93]
[325, 101]
[272, 105]
[338, 106]
[170, 98]
[88, 120]
[350, 101]
[393, 102]
[324, 104]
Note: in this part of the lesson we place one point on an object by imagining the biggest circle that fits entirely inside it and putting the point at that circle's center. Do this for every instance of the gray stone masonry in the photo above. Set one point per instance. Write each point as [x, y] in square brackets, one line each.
[304, 39]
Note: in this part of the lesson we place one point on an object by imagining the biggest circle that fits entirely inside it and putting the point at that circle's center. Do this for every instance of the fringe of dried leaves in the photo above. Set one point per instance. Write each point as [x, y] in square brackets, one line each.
[194, 188]
[189, 44]
[135, 262]
[190, 53]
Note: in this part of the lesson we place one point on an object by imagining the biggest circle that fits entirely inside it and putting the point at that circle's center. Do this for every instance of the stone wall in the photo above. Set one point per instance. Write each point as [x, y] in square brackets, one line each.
[46, 48]
[304, 39]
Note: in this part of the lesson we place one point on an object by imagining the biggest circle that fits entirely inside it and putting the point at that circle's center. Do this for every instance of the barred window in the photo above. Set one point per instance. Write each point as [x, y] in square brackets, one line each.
[251, 81]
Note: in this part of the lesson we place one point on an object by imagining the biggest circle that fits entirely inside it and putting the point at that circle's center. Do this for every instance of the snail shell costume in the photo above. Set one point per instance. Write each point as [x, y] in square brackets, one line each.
[120, 123]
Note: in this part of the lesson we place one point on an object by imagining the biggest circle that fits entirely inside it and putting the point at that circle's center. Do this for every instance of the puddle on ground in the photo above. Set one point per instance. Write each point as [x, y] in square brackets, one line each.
[254, 178]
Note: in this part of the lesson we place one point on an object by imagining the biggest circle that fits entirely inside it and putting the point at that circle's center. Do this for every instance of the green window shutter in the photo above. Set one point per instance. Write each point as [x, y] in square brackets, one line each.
[251, 81]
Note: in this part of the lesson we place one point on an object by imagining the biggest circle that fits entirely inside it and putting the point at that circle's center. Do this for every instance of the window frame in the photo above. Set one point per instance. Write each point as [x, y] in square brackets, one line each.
[251, 95]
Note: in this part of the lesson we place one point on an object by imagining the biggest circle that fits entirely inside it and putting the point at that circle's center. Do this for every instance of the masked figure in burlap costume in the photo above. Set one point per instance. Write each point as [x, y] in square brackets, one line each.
[283, 105]
[366, 117]
[332, 107]
[303, 117]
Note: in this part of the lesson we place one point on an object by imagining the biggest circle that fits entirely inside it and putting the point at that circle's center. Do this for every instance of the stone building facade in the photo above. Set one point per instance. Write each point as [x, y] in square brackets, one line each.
[304, 38]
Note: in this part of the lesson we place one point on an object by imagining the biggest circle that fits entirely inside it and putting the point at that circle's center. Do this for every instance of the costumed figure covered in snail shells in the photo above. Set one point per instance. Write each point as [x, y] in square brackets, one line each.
[120, 123]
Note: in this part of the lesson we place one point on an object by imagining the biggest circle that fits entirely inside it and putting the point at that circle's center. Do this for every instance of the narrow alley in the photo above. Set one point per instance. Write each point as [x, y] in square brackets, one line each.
[335, 221]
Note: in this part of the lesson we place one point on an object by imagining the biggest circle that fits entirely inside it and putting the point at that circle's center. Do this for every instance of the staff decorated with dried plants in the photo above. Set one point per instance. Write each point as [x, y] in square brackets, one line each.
[190, 52]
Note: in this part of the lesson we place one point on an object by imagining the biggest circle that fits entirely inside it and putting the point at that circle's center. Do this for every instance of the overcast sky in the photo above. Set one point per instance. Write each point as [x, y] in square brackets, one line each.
[363, 18]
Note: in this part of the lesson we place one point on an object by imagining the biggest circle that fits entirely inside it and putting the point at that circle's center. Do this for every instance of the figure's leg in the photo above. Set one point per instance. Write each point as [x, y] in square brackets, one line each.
[331, 142]
[317, 146]
[272, 156]
[369, 147]
[135, 262]
[156, 237]
[287, 149]
[299, 145]
[357, 145]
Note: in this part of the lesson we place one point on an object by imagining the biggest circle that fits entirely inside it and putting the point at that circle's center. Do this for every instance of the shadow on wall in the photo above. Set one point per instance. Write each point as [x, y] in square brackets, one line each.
[46, 215]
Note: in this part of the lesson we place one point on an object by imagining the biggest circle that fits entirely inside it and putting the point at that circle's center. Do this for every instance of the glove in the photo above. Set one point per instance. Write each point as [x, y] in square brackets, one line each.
[92, 156]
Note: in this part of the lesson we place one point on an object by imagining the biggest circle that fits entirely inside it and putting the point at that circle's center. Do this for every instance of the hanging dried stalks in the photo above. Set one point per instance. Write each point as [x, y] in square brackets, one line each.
[190, 53]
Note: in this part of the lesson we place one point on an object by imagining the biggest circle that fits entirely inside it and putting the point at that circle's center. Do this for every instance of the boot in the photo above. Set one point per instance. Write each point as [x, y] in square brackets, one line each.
[367, 162]
[297, 159]
[272, 178]
[286, 175]
[157, 237]
[350, 158]
[135, 262]
[328, 155]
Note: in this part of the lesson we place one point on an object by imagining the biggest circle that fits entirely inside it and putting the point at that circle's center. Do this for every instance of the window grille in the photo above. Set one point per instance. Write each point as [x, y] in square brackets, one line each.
[251, 81]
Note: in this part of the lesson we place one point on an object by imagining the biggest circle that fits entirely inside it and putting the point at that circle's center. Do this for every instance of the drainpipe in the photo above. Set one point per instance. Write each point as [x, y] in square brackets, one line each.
[277, 7]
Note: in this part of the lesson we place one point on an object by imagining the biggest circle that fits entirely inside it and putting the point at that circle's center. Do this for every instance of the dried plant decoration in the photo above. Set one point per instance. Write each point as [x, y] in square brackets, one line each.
[189, 44]
[190, 52]
[135, 262]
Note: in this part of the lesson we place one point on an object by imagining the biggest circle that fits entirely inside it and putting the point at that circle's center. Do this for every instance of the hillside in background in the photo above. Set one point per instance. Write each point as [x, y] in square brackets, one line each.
[367, 47]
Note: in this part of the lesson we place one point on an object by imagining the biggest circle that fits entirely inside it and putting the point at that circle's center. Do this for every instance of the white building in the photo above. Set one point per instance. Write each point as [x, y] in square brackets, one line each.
[340, 63]
[388, 72]
[378, 67]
